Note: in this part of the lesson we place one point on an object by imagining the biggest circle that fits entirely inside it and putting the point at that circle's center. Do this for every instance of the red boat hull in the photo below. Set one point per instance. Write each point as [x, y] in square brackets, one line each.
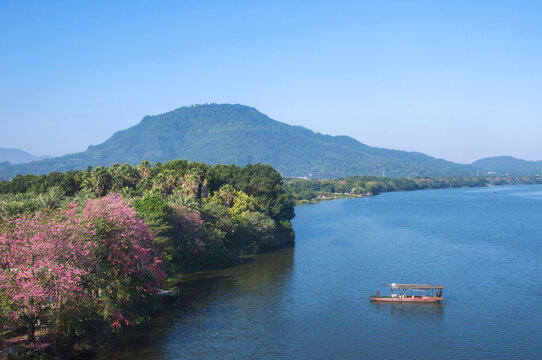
[424, 299]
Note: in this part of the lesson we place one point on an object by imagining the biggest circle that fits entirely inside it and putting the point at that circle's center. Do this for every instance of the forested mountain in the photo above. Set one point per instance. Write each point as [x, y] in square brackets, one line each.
[237, 134]
[509, 164]
[16, 156]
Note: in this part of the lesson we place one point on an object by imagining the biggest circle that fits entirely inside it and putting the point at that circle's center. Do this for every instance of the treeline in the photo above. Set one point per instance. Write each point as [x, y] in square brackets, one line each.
[118, 232]
[314, 190]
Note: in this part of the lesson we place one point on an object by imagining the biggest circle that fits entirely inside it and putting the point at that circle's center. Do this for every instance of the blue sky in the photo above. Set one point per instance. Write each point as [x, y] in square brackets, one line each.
[461, 80]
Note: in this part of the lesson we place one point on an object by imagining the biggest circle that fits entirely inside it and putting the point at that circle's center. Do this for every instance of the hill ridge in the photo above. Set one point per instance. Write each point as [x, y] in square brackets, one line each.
[509, 164]
[18, 156]
[239, 134]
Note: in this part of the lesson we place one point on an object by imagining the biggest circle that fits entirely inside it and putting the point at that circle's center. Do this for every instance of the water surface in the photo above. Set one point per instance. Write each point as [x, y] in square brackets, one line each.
[484, 245]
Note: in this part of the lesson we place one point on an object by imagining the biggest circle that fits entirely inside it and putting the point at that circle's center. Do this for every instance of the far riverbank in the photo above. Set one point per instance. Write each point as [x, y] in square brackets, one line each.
[313, 191]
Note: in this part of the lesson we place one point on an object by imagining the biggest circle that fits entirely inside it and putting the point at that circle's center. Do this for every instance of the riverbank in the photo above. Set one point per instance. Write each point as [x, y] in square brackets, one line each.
[86, 253]
[313, 191]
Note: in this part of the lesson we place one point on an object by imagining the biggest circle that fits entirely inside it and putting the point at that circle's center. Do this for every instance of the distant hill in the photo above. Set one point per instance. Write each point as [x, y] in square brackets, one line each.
[508, 164]
[16, 156]
[237, 134]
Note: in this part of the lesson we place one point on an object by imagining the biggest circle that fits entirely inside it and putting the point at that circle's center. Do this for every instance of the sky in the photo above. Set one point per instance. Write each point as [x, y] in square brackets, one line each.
[459, 80]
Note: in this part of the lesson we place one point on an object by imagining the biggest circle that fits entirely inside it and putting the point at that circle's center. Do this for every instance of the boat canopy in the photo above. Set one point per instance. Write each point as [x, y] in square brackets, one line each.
[416, 286]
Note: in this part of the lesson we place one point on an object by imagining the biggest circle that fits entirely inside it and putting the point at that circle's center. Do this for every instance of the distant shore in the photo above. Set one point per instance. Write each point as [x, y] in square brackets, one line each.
[314, 191]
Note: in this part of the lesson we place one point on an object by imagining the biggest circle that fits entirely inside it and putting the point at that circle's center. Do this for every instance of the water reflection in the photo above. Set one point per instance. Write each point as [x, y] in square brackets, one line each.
[212, 303]
[406, 310]
[261, 273]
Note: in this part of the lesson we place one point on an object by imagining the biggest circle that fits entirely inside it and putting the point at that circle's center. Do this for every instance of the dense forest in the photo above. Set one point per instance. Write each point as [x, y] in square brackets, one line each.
[86, 252]
[307, 191]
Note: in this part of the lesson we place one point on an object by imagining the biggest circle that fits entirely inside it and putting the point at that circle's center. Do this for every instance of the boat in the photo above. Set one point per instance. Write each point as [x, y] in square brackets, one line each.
[411, 293]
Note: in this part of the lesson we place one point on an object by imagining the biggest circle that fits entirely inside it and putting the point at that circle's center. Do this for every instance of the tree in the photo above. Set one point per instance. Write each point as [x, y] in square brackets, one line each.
[127, 262]
[186, 201]
[123, 176]
[99, 181]
[44, 259]
[103, 253]
[256, 231]
[51, 200]
[374, 187]
[242, 204]
[157, 213]
[144, 169]
[224, 196]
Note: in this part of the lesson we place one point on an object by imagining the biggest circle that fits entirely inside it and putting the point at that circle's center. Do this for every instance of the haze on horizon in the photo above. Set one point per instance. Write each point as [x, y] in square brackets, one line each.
[457, 80]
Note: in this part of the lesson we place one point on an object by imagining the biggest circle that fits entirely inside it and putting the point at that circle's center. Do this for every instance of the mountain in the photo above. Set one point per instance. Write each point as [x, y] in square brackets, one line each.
[237, 134]
[508, 165]
[16, 156]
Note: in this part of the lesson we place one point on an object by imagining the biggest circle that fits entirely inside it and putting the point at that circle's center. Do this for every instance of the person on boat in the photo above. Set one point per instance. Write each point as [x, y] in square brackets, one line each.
[377, 293]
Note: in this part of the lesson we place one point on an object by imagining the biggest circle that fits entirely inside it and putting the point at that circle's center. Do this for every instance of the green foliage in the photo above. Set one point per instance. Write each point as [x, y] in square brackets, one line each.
[99, 180]
[52, 199]
[201, 216]
[237, 202]
[256, 232]
[219, 223]
[186, 201]
[158, 214]
[243, 205]
[374, 187]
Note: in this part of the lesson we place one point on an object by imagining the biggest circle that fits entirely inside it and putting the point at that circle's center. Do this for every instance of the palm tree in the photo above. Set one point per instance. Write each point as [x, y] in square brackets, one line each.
[9, 208]
[130, 175]
[226, 193]
[52, 199]
[191, 183]
[117, 180]
[27, 201]
[144, 169]
[123, 176]
[189, 202]
[100, 181]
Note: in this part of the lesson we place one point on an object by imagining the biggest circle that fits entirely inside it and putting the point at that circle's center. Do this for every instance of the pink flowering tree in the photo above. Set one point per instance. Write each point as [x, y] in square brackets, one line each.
[43, 261]
[127, 267]
[103, 253]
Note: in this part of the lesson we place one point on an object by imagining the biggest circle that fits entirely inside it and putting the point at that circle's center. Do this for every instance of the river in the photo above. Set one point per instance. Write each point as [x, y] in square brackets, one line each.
[311, 302]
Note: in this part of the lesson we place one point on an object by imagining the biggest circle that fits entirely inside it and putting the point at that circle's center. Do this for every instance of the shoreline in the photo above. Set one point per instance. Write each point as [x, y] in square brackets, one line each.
[383, 186]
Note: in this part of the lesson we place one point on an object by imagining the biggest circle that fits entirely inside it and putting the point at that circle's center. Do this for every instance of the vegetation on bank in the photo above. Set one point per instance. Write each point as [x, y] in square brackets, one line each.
[310, 191]
[85, 252]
